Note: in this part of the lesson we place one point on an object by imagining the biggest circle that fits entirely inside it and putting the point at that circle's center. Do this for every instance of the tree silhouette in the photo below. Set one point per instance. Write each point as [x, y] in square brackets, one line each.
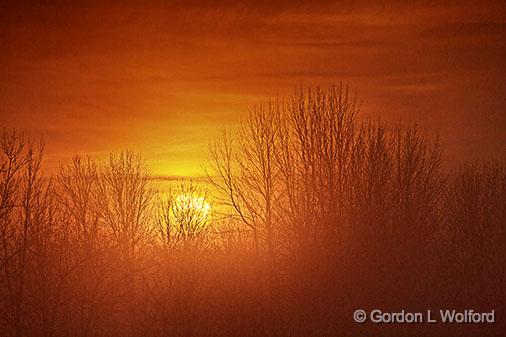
[125, 200]
[311, 212]
[184, 215]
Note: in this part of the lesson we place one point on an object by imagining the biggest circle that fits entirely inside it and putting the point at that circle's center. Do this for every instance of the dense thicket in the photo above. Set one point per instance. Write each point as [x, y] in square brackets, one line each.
[312, 213]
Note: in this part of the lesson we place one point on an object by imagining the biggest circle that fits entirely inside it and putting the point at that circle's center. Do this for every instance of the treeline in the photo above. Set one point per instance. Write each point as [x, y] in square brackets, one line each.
[311, 214]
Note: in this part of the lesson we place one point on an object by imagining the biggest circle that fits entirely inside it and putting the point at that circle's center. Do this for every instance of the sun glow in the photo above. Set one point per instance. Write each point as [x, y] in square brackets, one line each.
[193, 203]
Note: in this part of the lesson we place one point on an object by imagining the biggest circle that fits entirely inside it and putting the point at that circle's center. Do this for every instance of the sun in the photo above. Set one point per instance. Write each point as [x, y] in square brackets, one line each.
[193, 203]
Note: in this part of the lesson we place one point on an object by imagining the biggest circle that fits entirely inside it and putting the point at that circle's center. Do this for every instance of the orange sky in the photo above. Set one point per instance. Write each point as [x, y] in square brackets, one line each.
[163, 78]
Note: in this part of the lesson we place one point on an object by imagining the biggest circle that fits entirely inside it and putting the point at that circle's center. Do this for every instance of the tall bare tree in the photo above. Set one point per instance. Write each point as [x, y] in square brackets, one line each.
[246, 174]
[25, 219]
[125, 201]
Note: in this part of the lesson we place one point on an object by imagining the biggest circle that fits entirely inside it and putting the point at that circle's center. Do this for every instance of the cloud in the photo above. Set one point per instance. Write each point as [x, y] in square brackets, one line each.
[101, 75]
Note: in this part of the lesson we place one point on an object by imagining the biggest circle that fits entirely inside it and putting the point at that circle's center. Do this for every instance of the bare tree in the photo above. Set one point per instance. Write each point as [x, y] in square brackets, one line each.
[184, 215]
[319, 139]
[77, 186]
[473, 233]
[245, 173]
[25, 219]
[417, 184]
[13, 161]
[84, 239]
[125, 200]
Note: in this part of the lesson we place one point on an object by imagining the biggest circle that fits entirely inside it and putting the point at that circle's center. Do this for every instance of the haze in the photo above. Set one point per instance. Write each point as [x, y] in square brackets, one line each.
[163, 79]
